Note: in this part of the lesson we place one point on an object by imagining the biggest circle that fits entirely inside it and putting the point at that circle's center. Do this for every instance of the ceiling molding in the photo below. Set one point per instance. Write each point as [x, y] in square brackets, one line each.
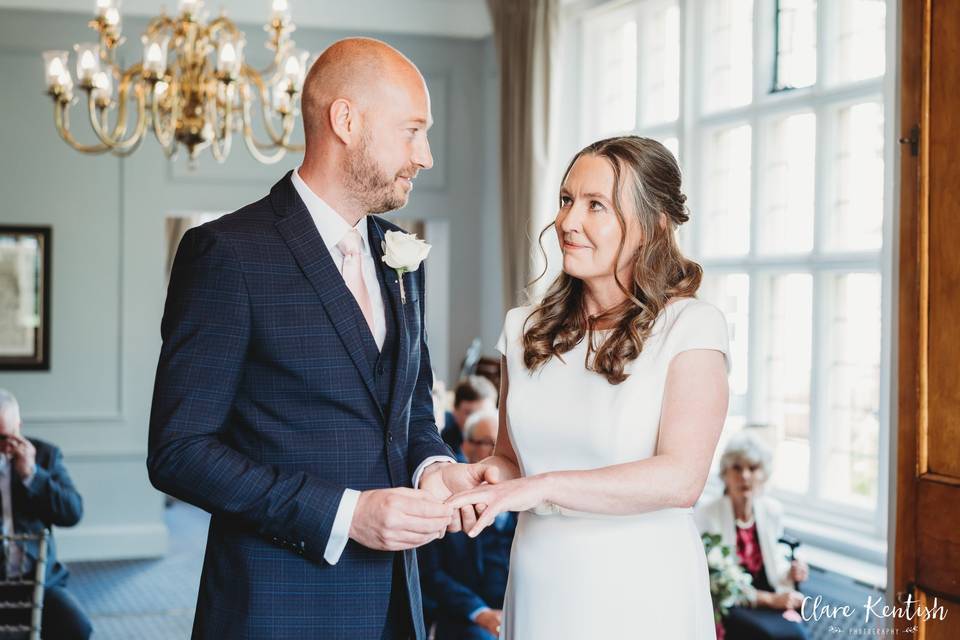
[447, 18]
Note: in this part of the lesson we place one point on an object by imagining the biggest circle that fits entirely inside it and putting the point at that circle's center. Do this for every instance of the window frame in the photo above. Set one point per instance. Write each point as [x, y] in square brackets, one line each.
[857, 532]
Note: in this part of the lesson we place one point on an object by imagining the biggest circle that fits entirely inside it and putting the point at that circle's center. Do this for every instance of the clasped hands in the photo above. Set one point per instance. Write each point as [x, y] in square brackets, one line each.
[452, 497]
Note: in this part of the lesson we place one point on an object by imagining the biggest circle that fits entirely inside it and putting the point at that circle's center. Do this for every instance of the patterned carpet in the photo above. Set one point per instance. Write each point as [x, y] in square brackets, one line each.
[155, 599]
[147, 599]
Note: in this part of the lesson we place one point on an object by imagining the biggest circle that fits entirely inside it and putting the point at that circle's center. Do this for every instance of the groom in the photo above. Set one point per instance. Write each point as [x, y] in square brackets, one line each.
[292, 398]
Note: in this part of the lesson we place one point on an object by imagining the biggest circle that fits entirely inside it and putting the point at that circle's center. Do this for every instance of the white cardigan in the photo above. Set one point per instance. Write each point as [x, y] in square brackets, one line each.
[716, 516]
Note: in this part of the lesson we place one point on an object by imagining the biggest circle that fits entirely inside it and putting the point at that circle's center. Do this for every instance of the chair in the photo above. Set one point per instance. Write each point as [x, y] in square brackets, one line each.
[793, 543]
[26, 589]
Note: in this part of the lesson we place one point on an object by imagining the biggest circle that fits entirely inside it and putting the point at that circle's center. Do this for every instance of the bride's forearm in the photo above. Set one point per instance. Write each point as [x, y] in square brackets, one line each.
[659, 482]
[508, 468]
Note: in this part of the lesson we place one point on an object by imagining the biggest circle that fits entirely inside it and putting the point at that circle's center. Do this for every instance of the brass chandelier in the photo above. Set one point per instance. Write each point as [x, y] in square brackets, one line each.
[192, 87]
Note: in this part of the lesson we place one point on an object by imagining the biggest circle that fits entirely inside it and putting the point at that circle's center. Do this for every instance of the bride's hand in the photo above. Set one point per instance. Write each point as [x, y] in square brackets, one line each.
[513, 495]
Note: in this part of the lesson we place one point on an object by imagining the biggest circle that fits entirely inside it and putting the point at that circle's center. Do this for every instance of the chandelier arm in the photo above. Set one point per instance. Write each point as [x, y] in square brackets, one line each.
[259, 155]
[221, 23]
[164, 137]
[220, 153]
[99, 128]
[62, 120]
[261, 90]
[126, 81]
[126, 151]
[160, 23]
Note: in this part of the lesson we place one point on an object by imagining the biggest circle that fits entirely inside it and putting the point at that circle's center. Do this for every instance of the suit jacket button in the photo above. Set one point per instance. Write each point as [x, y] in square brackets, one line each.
[389, 436]
[380, 370]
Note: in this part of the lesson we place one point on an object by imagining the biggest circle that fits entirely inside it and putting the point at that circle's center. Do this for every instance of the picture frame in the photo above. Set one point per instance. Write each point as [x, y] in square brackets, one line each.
[25, 256]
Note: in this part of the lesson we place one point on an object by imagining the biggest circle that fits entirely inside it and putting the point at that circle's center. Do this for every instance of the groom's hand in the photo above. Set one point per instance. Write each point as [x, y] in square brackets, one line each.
[443, 479]
[397, 519]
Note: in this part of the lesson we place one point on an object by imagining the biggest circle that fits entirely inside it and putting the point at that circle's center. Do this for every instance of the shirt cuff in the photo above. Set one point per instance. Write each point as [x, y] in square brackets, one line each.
[476, 612]
[340, 532]
[426, 463]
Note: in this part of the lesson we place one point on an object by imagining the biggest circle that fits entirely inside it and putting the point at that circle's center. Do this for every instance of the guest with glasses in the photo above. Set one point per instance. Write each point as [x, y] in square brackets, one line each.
[471, 394]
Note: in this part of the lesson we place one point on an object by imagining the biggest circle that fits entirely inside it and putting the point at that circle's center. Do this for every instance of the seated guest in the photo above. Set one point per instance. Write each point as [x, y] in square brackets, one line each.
[467, 577]
[471, 394]
[750, 523]
[36, 493]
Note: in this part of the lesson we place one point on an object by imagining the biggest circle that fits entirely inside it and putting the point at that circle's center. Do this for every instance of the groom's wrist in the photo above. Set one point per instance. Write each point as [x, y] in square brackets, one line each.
[476, 613]
[430, 464]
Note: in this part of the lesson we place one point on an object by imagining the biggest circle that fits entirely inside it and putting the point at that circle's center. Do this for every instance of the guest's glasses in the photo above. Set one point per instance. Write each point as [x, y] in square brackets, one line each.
[482, 443]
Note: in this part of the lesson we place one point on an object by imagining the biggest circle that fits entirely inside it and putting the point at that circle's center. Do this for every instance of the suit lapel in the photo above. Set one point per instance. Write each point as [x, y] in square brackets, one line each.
[376, 235]
[300, 233]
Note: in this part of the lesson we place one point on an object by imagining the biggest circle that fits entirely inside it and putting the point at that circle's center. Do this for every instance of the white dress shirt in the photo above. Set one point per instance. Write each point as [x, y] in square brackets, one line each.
[333, 227]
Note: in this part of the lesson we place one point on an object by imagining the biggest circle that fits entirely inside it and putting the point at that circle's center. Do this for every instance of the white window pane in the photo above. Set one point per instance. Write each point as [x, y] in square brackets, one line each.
[725, 229]
[785, 215]
[612, 77]
[730, 292]
[660, 65]
[796, 43]
[853, 421]
[855, 219]
[673, 144]
[858, 47]
[727, 60]
[786, 373]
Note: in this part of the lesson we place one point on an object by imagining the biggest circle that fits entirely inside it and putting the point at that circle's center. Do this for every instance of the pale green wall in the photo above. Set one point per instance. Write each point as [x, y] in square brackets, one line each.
[108, 284]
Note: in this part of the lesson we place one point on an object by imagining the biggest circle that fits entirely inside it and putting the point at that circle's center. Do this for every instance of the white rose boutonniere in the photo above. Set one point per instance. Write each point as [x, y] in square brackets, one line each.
[404, 252]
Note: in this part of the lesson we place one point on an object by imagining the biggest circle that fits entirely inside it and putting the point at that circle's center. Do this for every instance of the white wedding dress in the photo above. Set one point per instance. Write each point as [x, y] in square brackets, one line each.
[582, 576]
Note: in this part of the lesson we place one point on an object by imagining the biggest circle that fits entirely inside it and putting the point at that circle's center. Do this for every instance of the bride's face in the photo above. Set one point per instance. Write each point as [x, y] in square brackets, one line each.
[587, 225]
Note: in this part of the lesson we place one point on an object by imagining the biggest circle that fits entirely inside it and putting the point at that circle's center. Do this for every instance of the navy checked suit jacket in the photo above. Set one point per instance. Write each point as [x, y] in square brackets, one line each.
[265, 408]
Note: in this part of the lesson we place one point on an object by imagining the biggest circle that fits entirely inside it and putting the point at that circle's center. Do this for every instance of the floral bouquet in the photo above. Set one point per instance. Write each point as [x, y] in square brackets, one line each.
[730, 585]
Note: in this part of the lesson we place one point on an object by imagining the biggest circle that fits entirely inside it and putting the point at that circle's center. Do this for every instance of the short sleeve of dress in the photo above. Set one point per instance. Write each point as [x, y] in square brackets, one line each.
[510, 329]
[502, 342]
[700, 325]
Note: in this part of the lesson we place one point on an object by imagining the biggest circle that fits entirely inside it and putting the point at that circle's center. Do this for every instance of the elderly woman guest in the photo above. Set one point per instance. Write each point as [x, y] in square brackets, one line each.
[751, 523]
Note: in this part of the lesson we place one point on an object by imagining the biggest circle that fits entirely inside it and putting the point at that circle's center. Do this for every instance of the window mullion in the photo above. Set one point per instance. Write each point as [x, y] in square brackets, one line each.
[819, 360]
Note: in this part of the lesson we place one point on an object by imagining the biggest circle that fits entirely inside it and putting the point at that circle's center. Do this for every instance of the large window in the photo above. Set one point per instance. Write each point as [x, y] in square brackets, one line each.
[776, 112]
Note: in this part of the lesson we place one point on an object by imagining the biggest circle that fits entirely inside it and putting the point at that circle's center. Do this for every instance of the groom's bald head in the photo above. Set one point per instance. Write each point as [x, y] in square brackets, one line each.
[366, 111]
[361, 71]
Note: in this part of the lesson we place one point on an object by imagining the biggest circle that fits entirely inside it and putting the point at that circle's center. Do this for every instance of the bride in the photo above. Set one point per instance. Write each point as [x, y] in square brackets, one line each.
[613, 397]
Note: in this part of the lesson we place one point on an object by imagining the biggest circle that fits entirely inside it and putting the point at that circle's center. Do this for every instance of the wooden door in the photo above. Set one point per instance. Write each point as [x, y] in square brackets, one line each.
[927, 528]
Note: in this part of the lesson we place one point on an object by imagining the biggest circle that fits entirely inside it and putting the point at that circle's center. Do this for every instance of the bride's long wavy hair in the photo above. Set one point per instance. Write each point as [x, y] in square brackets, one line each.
[660, 272]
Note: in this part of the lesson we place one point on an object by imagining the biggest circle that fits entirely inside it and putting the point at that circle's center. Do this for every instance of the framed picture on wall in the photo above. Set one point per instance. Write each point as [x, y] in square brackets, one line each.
[24, 297]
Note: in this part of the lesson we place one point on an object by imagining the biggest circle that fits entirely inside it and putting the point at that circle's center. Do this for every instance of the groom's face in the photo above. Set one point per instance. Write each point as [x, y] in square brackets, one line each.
[393, 147]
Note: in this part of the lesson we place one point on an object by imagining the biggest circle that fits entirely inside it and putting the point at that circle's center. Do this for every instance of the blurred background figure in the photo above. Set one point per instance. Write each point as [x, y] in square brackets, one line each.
[439, 394]
[36, 493]
[466, 577]
[750, 523]
[472, 394]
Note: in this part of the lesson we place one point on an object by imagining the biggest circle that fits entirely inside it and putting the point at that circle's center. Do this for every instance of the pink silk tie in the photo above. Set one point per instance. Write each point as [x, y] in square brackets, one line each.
[351, 247]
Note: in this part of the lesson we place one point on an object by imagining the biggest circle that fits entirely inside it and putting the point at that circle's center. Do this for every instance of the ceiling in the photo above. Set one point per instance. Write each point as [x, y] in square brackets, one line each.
[453, 18]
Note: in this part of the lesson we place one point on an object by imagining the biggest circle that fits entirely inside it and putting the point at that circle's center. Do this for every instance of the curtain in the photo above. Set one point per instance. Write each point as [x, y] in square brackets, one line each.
[527, 34]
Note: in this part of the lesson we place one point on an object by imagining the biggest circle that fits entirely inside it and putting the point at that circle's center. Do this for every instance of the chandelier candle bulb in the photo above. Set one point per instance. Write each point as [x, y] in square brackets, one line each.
[295, 68]
[155, 55]
[102, 88]
[230, 57]
[281, 96]
[281, 11]
[88, 61]
[57, 73]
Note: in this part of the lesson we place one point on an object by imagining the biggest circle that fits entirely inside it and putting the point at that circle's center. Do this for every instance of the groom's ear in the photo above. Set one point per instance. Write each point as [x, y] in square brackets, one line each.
[344, 120]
